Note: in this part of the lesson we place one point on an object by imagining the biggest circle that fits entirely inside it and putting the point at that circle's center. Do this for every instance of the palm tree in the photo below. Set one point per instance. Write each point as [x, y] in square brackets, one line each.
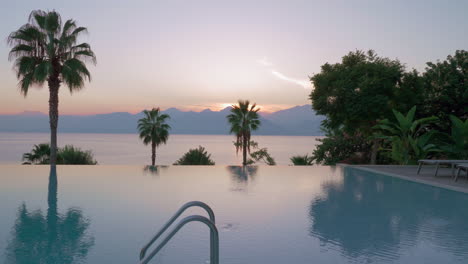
[45, 50]
[244, 118]
[299, 160]
[40, 154]
[154, 129]
[197, 156]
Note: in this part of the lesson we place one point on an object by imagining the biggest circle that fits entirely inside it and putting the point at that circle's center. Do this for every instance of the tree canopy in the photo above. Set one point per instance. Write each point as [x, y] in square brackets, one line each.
[361, 89]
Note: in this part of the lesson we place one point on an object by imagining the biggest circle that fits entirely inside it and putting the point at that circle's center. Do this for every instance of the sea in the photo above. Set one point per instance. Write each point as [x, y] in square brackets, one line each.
[128, 149]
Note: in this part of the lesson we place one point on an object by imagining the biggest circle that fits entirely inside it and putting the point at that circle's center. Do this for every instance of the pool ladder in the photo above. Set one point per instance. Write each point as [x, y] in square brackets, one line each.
[214, 238]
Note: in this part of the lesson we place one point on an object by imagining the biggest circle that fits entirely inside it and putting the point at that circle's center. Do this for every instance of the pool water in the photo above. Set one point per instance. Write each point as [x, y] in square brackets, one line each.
[283, 214]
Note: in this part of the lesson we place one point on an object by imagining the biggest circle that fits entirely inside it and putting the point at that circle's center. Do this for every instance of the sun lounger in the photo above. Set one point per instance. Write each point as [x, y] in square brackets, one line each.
[452, 163]
[461, 166]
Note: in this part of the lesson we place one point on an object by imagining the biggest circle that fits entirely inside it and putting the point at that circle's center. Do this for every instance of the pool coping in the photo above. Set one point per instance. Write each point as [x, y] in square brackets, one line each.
[431, 183]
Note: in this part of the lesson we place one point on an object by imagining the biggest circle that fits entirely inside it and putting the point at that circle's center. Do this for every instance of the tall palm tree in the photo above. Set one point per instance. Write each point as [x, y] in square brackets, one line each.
[244, 118]
[154, 129]
[45, 50]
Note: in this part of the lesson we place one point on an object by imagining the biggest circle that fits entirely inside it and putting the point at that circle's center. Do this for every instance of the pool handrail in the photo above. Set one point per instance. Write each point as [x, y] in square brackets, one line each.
[173, 218]
[214, 238]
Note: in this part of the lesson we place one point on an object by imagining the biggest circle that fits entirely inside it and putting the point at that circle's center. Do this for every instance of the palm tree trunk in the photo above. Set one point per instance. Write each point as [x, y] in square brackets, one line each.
[153, 154]
[244, 151]
[54, 85]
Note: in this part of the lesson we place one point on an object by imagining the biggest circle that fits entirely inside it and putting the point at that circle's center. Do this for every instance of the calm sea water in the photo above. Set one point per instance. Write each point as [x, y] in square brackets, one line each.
[128, 148]
[265, 214]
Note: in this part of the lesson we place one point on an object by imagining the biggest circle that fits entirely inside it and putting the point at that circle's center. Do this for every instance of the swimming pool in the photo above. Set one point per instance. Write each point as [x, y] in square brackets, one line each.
[284, 214]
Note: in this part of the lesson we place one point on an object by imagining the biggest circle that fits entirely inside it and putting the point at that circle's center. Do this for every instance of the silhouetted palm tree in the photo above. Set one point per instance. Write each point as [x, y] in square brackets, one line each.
[305, 160]
[154, 129]
[45, 50]
[244, 118]
[39, 154]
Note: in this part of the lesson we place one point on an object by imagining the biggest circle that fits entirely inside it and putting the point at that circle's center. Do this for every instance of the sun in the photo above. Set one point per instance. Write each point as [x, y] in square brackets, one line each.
[224, 105]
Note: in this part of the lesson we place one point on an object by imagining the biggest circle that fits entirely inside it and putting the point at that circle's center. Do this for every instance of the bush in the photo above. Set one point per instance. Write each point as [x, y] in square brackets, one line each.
[457, 145]
[305, 160]
[69, 155]
[198, 156]
[342, 147]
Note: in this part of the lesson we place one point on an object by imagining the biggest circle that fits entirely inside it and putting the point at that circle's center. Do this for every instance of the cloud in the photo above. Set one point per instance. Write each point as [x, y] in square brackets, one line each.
[305, 84]
[266, 63]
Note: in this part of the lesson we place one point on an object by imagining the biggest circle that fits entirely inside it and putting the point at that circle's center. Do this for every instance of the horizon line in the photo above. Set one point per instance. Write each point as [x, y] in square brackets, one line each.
[32, 112]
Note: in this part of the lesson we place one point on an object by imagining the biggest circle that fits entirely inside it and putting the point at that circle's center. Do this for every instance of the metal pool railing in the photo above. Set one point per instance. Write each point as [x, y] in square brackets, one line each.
[214, 237]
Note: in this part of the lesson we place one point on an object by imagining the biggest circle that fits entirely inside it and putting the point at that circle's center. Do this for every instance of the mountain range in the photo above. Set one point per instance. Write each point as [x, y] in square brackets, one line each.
[298, 120]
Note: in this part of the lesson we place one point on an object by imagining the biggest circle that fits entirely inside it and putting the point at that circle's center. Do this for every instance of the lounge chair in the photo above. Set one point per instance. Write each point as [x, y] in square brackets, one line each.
[452, 163]
[461, 166]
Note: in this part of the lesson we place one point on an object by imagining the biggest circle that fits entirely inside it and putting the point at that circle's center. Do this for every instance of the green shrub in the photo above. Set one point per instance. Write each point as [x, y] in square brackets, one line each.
[340, 147]
[198, 156]
[71, 155]
[410, 139]
[305, 160]
[457, 143]
[68, 155]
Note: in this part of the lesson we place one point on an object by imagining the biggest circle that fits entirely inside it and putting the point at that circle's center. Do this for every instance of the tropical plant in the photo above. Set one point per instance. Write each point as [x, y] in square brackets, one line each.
[67, 155]
[409, 138]
[154, 130]
[243, 119]
[457, 147]
[197, 156]
[71, 155]
[304, 160]
[39, 154]
[262, 155]
[45, 50]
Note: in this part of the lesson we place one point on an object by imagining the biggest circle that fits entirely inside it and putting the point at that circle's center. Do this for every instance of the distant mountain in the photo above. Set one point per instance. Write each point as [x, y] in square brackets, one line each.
[299, 120]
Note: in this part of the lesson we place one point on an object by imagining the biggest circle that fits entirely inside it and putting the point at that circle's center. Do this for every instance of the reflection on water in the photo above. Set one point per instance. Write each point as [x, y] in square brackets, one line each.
[373, 218]
[53, 239]
[241, 176]
[154, 170]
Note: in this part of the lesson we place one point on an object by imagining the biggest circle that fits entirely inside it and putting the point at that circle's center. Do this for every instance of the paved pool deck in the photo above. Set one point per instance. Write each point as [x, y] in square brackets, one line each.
[444, 177]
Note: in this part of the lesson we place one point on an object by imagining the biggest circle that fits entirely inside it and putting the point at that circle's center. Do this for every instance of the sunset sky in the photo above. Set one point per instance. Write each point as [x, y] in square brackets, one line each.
[207, 54]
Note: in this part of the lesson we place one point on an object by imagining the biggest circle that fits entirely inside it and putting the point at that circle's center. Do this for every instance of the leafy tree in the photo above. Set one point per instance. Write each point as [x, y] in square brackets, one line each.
[154, 129]
[446, 89]
[243, 119]
[457, 145]
[360, 90]
[304, 160]
[198, 156]
[410, 140]
[67, 155]
[45, 50]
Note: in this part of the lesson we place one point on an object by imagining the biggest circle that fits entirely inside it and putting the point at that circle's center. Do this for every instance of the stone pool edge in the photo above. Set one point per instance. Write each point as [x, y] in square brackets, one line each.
[435, 184]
